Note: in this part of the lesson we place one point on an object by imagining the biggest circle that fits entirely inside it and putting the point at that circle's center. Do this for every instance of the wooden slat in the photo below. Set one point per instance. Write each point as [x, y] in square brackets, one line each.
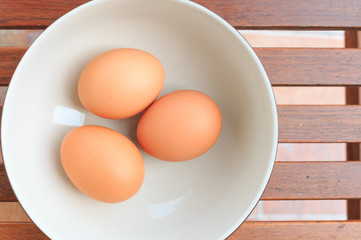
[10, 57]
[20, 231]
[314, 180]
[6, 191]
[289, 14]
[285, 230]
[319, 123]
[270, 230]
[243, 14]
[33, 14]
[289, 180]
[284, 66]
[311, 67]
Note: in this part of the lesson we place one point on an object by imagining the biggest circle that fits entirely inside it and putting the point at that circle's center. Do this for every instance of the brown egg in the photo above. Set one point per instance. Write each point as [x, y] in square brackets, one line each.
[180, 126]
[120, 83]
[102, 163]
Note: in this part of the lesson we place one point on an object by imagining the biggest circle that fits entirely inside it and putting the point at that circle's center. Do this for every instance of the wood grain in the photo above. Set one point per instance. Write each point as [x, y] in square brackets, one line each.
[351, 40]
[333, 124]
[311, 67]
[282, 230]
[287, 14]
[289, 180]
[242, 14]
[20, 231]
[270, 230]
[314, 180]
[284, 66]
[6, 191]
[352, 149]
[10, 57]
[12, 212]
[38, 14]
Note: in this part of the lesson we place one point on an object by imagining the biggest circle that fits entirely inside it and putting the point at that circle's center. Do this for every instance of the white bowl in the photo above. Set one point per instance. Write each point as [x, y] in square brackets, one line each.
[205, 198]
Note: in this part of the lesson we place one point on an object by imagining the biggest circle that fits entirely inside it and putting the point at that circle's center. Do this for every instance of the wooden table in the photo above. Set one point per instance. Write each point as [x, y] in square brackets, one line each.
[297, 124]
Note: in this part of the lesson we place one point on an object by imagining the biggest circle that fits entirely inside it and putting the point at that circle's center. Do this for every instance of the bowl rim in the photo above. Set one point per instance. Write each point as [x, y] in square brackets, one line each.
[198, 7]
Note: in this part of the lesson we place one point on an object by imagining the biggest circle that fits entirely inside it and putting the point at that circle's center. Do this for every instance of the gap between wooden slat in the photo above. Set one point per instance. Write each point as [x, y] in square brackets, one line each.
[245, 14]
[285, 230]
[289, 181]
[284, 66]
[352, 149]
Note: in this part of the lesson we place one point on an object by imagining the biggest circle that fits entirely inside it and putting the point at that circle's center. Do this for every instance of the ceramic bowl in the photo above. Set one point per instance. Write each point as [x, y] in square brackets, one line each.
[204, 198]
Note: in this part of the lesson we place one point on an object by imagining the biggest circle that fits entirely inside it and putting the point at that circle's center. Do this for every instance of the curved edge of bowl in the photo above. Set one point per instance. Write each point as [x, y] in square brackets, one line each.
[8, 98]
[9, 95]
[272, 100]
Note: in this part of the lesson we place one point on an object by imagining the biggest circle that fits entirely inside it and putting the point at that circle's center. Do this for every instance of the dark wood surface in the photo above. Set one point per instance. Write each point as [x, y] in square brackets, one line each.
[243, 14]
[6, 192]
[311, 67]
[312, 230]
[20, 231]
[33, 14]
[314, 180]
[284, 66]
[320, 123]
[283, 230]
[10, 57]
[289, 14]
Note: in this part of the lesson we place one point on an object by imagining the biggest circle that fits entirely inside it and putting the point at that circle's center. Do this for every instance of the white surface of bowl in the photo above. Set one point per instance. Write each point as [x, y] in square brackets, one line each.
[204, 198]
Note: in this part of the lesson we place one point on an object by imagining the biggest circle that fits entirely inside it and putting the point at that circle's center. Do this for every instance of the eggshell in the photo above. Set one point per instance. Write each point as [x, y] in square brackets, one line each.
[102, 163]
[180, 126]
[120, 83]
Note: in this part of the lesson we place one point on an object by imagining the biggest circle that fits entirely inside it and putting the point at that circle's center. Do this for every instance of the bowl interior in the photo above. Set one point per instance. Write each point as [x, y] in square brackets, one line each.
[205, 198]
